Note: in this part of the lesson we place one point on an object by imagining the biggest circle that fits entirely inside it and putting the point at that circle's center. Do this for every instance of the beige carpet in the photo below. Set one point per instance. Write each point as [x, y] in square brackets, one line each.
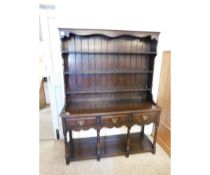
[45, 124]
[52, 162]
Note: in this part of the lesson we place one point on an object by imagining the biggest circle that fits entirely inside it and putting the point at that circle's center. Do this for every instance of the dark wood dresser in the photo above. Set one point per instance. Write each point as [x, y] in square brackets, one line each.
[108, 83]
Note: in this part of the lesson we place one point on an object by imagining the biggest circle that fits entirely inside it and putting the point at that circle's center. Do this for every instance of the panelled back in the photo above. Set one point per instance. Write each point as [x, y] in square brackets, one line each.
[102, 67]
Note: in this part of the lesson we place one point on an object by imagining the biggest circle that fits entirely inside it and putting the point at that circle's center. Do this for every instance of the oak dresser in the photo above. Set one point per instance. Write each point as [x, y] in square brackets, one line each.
[108, 83]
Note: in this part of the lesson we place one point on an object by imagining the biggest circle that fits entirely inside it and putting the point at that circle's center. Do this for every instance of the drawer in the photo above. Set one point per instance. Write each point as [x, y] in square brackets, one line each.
[115, 119]
[80, 122]
[144, 118]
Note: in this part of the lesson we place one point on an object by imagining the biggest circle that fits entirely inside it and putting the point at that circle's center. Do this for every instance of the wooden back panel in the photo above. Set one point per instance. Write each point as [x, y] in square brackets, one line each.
[98, 66]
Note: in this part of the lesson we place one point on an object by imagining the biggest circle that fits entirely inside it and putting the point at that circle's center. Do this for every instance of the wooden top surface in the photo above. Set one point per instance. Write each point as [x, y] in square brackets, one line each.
[92, 108]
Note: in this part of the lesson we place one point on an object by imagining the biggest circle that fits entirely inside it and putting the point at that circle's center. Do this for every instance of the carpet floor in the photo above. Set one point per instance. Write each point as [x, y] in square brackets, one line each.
[45, 124]
[52, 162]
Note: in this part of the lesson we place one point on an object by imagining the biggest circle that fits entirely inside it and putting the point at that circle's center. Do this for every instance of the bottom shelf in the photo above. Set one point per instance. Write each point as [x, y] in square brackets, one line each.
[85, 148]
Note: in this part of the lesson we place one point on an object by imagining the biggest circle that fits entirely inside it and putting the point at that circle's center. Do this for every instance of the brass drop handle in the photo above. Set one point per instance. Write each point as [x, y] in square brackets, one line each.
[81, 122]
[145, 117]
[114, 120]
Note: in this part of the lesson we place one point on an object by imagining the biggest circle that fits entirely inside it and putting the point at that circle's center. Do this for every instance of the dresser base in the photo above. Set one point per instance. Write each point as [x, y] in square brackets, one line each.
[85, 148]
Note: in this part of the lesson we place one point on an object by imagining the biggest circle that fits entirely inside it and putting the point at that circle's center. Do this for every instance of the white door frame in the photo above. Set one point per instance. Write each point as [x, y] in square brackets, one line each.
[53, 66]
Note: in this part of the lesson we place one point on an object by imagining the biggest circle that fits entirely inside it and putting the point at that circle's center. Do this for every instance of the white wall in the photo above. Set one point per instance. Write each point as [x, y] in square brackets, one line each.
[131, 15]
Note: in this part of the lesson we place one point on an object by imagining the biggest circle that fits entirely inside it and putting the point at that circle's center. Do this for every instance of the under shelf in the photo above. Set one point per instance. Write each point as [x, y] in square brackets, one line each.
[85, 148]
[109, 72]
[109, 91]
[112, 53]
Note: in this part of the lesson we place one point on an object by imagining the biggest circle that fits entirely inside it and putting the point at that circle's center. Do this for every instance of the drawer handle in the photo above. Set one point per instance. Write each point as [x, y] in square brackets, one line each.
[81, 122]
[145, 117]
[114, 120]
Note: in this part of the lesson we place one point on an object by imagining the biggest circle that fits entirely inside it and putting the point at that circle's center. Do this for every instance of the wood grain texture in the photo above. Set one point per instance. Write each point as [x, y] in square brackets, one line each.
[164, 101]
[106, 107]
[97, 64]
[86, 148]
[164, 138]
[108, 83]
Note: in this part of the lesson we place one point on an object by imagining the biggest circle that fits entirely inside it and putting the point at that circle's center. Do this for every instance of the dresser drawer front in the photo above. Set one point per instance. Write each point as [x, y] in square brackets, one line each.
[81, 122]
[115, 119]
[144, 118]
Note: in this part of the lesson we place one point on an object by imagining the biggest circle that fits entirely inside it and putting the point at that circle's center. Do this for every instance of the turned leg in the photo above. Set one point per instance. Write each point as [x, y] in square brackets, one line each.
[71, 143]
[67, 147]
[128, 143]
[155, 139]
[142, 131]
[98, 145]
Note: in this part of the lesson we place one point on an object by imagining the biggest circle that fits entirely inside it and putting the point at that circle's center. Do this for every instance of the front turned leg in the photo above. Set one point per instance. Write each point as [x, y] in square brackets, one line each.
[142, 131]
[71, 143]
[98, 145]
[67, 147]
[155, 139]
[128, 142]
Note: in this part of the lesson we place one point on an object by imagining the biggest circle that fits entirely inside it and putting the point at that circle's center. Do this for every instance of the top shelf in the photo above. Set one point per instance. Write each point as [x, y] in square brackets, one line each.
[112, 53]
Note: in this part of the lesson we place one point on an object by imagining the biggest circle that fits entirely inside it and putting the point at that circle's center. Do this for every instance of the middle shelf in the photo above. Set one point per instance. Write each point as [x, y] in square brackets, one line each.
[109, 72]
[108, 91]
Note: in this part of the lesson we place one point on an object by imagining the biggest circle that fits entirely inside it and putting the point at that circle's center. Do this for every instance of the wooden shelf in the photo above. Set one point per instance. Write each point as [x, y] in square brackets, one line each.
[108, 83]
[85, 148]
[109, 72]
[111, 53]
[109, 91]
[102, 106]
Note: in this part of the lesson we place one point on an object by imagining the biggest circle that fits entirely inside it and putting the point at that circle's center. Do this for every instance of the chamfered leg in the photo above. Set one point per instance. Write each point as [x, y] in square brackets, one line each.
[155, 139]
[67, 147]
[71, 143]
[98, 145]
[142, 131]
[128, 142]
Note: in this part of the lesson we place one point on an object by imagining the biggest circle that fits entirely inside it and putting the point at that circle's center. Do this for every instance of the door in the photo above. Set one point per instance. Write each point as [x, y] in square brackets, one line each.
[164, 101]
[53, 67]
